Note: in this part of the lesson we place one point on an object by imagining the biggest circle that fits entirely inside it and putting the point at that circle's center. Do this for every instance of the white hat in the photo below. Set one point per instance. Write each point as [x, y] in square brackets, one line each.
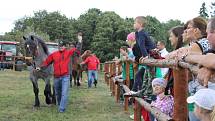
[204, 98]
[159, 81]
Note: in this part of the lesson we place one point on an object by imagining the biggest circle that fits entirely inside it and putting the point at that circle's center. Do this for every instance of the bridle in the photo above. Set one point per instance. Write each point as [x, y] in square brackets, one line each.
[33, 54]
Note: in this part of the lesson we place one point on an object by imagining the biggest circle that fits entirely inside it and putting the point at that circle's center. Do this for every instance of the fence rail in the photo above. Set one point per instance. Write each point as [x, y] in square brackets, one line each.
[13, 61]
[180, 69]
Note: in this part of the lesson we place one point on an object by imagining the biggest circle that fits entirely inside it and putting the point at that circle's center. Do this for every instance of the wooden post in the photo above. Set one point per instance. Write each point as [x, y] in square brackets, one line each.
[110, 79]
[137, 111]
[108, 73]
[14, 63]
[117, 89]
[114, 73]
[127, 83]
[105, 72]
[180, 94]
[135, 67]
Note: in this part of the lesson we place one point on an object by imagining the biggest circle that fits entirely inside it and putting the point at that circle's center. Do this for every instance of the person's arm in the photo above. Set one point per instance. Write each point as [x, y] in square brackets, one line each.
[204, 74]
[71, 51]
[124, 53]
[207, 61]
[85, 61]
[195, 48]
[48, 61]
[98, 62]
[179, 53]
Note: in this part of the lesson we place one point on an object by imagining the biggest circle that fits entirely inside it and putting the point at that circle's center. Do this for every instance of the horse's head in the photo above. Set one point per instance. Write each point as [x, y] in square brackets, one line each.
[31, 46]
[34, 47]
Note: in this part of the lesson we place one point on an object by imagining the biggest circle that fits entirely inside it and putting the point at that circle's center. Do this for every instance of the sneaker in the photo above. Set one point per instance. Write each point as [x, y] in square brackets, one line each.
[130, 93]
[61, 111]
[132, 116]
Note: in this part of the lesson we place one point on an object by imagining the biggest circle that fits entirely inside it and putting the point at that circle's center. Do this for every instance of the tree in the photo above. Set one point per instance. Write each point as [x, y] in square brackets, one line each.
[167, 26]
[109, 36]
[87, 24]
[54, 24]
[212, 9]
[203, 11]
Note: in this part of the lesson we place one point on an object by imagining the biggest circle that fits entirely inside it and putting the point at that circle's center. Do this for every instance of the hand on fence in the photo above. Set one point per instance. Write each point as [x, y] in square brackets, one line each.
[141, 60]
[179, 53]
[204, 75]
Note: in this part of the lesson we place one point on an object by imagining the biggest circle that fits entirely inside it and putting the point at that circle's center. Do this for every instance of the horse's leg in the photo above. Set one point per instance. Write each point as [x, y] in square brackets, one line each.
[74, 73]
[47, 91]
[53, 95]
[78, 78]
[70, 79]
[36, 92]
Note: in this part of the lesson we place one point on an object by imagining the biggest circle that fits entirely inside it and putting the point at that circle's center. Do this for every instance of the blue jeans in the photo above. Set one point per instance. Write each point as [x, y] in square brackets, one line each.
[61, 85]
[138, 82]
[2, 66]
[92, 76]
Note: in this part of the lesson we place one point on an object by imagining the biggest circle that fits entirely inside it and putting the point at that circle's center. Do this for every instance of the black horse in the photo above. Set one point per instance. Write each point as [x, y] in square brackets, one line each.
[37, 50]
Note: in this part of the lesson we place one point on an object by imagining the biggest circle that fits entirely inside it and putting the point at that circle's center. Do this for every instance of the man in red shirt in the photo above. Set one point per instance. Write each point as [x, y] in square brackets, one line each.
[93, 64]
[60, 60]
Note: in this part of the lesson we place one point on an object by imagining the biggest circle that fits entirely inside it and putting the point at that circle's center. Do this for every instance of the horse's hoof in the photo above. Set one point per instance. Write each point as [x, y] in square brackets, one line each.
[35, 107]
[48, 101]
[49, 105]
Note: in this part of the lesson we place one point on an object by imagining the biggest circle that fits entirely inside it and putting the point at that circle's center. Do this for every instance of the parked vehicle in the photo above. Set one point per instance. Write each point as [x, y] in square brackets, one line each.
[10, 51]
[52, 47]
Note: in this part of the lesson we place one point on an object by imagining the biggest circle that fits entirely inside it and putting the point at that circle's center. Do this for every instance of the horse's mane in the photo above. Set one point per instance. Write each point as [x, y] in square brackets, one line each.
[43, 44]
[74, 57]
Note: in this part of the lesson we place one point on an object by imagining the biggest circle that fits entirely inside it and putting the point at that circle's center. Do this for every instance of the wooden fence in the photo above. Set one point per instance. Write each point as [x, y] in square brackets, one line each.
[13, 62]
[180, 87]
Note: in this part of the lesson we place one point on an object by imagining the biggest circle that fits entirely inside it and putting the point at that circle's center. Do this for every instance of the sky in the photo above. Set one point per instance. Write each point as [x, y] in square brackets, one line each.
[163, 10]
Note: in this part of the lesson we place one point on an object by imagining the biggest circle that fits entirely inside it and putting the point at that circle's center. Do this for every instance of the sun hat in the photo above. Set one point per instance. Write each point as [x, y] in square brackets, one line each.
[204, 98]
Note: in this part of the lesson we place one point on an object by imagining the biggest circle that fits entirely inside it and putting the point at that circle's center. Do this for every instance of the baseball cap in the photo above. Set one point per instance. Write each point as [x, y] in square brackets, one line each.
[204, 98]
[159, 81]
[61, 43]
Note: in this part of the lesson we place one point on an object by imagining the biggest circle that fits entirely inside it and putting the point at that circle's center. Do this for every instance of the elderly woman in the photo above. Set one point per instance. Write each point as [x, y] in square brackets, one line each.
[163, 102]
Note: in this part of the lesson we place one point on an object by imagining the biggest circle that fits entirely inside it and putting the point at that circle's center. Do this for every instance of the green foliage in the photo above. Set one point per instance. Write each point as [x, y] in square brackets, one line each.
[155, 28]
[203, 11]
[167, 26]
[109, 36]
[87, 24]
[212, 9]
[103, 32]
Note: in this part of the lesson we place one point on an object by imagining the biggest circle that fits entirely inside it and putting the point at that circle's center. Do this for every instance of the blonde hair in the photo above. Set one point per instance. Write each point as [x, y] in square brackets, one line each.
[213, 115]
[141, 20]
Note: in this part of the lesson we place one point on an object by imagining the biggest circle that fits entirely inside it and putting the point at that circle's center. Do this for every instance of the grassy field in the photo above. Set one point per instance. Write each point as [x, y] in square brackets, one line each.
[16, 102]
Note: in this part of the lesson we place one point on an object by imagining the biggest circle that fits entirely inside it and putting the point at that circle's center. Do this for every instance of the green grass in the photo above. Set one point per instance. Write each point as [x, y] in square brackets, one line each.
[17, 97]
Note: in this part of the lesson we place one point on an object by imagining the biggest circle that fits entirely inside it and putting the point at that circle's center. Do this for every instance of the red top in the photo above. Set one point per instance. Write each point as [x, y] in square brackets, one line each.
[92, 62]
[60, 60]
